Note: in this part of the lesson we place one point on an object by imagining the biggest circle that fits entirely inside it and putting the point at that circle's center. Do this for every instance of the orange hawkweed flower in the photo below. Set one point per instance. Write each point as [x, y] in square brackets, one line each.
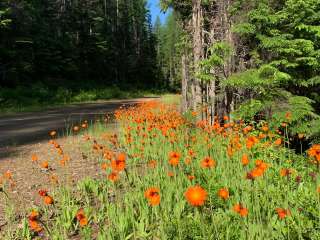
[152, 163]
[48, 200]
[251, 141]
[76, 128]
[262, 165]
[196, 196]
[288, 115]
[170, 174]
[45, 164]
[223, 193]
[113, 176]
[34, 158]
[240, 209]
[243, 212]
[118, 165]
[34, 226]
[191, 177]
[282, 213]
[153, 196]
[208, 162]
[245, 160]
[81, 217]
[104, 166]
[83, 222]
[8, 175]
[278, 142]
[174, 158]
[121, 157]
[33, 215]
[314, 152]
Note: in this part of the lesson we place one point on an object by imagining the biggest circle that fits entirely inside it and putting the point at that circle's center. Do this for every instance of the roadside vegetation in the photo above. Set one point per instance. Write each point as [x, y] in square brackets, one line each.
[164, 175]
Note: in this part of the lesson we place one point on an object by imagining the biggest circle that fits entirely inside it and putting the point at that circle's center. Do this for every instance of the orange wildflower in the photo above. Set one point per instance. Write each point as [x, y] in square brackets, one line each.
[196, 196]
[8, 175]
[257, 172]
[242, 211]
[174, 158]
[118, 165]
[251, 141]
[121, 157]
[278, 142]
[33, 215]
[34, 158]
[152, 163]
[223, 193]
[45, 164]
[314, 152]
[34, 226]
[113, 176]
[48, 200]
[208, 162]
[174, 161]
[288, 115]
[191, 177]
[76, 128]
[153, 196]
[170, 174]
[81, 217]
[104, 166]
[282, 213]
[194, 113]
[262, 165]
[245, 160]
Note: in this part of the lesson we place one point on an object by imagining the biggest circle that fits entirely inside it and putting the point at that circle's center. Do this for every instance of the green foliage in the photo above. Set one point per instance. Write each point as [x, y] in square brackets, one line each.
[63, 42]
[169, 44]
[284, 46]
[218, 53]
[4, 22]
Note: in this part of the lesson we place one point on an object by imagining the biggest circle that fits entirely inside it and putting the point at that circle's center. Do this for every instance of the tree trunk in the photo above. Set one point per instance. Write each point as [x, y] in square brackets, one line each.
[197, 19]
[185, 81]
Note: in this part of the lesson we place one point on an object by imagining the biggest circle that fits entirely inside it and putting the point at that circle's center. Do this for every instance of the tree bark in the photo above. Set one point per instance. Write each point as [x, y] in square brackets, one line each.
[185, 81]
[197, 19]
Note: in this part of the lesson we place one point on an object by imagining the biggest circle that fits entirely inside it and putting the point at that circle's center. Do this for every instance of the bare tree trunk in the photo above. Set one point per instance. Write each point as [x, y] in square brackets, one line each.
[221, 99]
[185, 81]
[197, 19]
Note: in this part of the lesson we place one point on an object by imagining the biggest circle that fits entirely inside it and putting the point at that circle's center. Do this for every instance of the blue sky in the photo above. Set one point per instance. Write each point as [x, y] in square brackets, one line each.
[155, 11]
